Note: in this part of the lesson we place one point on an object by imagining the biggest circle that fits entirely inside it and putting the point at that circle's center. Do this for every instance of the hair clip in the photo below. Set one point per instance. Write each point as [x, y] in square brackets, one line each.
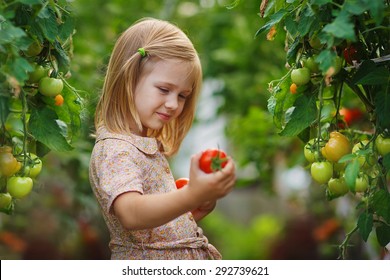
[142, 52]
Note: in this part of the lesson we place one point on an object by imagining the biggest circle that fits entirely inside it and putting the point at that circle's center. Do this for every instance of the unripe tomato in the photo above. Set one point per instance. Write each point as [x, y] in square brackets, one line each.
[321, 171]
[5, 200]
[383, 145]
[181, 182]
[338, 186]
[34, 49]
[38, 73]
[19, 187]
[310, 151]
[50, 86]
[300, 76]
[8, 163]
[336, 66]
[337, 146]
[361, 183]
[315, 42]
[34, 166]
[312, 64]
[364, 161]
[14, 124]
[15, 105]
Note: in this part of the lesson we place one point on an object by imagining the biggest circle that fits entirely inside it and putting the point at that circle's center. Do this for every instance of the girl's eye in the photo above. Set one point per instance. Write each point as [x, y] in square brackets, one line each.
[164, 90]
[182, 96]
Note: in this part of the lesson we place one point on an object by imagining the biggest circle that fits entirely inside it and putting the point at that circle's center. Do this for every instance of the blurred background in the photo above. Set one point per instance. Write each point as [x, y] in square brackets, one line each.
[275, 210]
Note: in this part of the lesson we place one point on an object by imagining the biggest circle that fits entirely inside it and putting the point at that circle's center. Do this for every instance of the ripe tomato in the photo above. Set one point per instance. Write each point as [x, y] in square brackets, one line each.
[8, 163]
[383, 145]
[212, 160]
[337, 146]
[58, 100]
[5, 200]
[351, 54]
[321, 171]
[181, 182]
[50, 86]
[338, 186]
[19, 187]
[300, 76]
[351, 115]
[293, 88]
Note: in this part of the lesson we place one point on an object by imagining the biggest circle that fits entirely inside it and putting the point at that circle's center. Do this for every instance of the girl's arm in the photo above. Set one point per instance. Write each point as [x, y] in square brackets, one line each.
[136, 211]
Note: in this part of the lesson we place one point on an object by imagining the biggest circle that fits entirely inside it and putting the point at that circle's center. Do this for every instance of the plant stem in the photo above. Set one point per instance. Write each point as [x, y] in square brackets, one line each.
[343, 246]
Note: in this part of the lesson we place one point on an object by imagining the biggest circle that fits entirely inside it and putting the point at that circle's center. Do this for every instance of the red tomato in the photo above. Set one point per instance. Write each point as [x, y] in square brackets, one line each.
[181, 182]
[351, 115]
[351, 54]
[212, 160]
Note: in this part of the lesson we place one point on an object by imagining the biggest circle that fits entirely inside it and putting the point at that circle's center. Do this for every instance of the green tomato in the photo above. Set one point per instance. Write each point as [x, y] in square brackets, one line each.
[19, 187]
[321, 171]
[382, 145]
[50, 86]
[5, 200]
[315, 42]
[15, 105]
[312, 64]
[361, 183]
[34, 49]
[14, 124]
[300, 76]
[366, 160]
[34, 166]
[38, 73]
[338, 186]
[310, 152]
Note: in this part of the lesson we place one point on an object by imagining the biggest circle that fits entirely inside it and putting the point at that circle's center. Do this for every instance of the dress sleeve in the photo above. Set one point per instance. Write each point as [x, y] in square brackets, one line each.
[120, 173]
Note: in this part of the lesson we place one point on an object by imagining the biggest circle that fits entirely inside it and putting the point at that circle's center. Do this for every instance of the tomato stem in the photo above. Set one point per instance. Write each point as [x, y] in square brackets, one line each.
[343, 246]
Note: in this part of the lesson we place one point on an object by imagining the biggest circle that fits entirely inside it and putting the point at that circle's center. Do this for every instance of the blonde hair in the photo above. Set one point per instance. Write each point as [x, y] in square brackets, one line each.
[116, 107]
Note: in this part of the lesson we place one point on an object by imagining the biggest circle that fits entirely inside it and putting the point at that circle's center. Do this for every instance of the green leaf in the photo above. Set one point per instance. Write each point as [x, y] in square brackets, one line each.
[381, 204]
[61, 56]
[378, 76]
[304, 114]
[275, 19]
[48, 24]
[351, 173]
[341, 27]
[386, 162]
[19, 69]
[324, 59]
[383, 234]
[306, 21]
[9, 33]
[30, 2]
[67, 28]
[365, 223]
[320, 2]
[382, 107]
[45, 129]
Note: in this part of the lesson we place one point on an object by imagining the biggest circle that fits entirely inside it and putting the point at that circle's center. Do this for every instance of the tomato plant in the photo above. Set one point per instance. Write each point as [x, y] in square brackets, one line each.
[35, 54]
[181, 182]
[212, 160]
[349, 41]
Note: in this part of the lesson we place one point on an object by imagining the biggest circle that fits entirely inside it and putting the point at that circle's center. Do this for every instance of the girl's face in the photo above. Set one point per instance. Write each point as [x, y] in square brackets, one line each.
[161, 92]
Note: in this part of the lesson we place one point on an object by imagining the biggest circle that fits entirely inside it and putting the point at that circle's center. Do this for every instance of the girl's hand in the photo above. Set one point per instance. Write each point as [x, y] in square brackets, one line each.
[210, 187]
[203, 210]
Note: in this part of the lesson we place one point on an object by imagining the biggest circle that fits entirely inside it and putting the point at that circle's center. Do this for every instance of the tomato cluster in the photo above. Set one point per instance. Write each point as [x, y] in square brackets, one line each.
[16, 176]
[329, 162]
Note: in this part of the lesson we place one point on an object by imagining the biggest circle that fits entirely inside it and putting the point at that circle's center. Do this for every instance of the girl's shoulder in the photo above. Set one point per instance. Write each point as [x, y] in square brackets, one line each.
[146, 145]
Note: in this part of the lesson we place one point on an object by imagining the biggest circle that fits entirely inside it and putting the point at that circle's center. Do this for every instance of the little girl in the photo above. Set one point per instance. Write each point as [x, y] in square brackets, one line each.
[147, 106]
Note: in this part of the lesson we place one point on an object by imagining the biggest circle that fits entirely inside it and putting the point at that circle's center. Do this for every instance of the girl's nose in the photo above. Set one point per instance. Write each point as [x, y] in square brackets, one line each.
[172, 102]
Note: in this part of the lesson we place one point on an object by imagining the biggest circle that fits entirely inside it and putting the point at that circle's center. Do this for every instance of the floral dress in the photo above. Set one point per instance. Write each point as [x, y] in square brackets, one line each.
[130, 163]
